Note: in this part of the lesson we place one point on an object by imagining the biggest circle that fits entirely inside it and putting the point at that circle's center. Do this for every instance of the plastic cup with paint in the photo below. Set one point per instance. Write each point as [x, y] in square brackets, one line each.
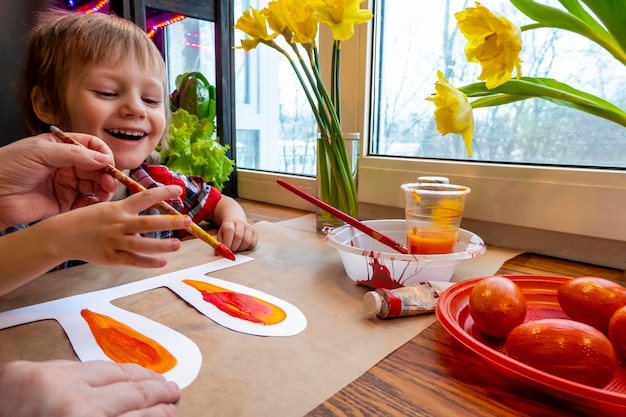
[433, 216]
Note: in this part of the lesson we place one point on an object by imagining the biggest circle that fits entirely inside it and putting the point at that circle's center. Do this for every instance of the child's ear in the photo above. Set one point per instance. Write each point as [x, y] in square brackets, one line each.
[41, 107]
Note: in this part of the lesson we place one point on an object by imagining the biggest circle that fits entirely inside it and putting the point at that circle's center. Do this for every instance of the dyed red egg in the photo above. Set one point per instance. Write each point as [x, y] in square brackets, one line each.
[497, 305]
[591, 300]
[565, 348]
[617, 332]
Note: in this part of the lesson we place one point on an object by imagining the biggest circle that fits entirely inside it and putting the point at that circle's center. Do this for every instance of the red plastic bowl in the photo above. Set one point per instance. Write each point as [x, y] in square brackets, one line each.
[540, 293]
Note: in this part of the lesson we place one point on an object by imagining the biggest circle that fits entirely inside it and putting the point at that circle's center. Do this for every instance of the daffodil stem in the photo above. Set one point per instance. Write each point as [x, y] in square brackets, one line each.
[335, 85]
[320, 114]
[335, 124]
[334, 175]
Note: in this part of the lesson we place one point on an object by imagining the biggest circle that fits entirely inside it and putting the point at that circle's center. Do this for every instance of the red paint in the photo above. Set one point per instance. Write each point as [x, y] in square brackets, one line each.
[381, 277]
[238, 305]
[224, 251]
[241, 306]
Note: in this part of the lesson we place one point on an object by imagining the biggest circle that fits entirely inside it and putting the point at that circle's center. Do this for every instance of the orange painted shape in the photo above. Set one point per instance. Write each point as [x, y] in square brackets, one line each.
[242, 306]
[123, 344]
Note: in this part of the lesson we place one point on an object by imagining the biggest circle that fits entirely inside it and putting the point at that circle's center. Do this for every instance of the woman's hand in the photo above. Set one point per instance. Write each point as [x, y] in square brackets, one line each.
[41, 177]
[63, 388]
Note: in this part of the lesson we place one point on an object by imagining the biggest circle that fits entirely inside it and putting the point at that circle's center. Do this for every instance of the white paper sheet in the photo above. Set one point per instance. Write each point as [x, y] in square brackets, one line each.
[67, 311]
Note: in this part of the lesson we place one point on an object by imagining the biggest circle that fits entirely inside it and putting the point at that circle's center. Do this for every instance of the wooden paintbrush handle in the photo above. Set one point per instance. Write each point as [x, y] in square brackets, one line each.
[346, 218]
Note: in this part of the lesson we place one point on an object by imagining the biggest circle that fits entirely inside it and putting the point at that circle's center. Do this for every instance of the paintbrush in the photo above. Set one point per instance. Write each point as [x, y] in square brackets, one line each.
[346, 218]
[134, 187]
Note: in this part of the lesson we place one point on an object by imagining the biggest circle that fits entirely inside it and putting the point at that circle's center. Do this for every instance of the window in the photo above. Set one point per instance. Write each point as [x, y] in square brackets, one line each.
[415, 41]
[276, 130]
[543, 208]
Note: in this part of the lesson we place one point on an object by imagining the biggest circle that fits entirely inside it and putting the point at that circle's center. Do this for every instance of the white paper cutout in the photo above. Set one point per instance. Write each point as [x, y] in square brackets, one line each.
[66, 311]
[293, 324]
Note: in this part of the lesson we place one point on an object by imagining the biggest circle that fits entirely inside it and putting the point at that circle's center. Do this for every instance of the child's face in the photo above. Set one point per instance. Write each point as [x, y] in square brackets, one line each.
[122, 103]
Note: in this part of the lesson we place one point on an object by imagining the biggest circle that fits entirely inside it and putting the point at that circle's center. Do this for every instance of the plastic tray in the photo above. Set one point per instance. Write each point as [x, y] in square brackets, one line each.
[540, 293]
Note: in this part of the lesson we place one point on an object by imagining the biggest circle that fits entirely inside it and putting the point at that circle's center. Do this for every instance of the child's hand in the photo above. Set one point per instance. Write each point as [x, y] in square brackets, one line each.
[238, 235]
[109, 233]
[235, 231]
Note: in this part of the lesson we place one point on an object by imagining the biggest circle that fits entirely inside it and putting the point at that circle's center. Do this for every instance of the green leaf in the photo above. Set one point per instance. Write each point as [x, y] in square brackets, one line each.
[553, 17]
[556, 18]
[192, 150]
[547, 89]
[497, 100]
[613, 14]
[575, 8]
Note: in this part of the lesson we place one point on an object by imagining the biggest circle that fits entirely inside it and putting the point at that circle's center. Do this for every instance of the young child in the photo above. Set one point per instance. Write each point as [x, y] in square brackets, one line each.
[101, 74]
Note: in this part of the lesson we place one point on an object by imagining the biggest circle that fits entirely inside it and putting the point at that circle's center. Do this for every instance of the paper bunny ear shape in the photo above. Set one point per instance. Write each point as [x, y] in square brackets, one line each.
[240, 308]
[99, 330]
[107, 332]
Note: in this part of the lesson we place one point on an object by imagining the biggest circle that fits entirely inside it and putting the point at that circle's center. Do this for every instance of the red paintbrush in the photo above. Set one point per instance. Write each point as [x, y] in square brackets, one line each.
[346, 218]
[134, 187]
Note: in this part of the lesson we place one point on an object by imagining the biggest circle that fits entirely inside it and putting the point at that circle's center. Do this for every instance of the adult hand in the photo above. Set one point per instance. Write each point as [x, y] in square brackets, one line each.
[63, 388]
[41, 177]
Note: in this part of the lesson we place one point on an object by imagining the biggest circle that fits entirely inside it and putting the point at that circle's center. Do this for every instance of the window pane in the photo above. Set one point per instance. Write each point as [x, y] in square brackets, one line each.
[271, 102]
[190, 46]
[532, 131]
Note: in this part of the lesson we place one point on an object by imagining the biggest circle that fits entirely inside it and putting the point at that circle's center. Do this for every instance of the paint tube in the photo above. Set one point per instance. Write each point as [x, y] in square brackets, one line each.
[404, 301]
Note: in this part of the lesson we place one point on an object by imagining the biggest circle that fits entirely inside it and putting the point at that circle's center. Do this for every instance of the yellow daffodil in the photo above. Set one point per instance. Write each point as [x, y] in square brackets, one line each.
[300, 18]
[493, 41]
[254, 23]
[277, 19]
[340, 16]
[453, 113]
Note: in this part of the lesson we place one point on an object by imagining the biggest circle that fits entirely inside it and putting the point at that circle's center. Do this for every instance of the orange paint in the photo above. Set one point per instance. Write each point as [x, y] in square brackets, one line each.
[123, 344]
[431, 242]
[239, 305]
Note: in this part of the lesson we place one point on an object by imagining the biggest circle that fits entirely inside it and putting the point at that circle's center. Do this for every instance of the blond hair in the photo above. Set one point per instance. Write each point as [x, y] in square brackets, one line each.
[63, 42]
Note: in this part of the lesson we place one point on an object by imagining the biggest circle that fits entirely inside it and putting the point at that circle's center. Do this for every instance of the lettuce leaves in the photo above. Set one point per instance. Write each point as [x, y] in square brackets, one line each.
[192, 149]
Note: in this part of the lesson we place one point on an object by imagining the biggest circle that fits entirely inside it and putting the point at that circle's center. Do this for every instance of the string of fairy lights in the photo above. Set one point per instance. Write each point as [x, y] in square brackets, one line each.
[97, 7]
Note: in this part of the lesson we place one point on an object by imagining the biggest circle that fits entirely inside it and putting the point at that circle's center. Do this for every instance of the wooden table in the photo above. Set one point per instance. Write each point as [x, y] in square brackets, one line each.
[434, 375]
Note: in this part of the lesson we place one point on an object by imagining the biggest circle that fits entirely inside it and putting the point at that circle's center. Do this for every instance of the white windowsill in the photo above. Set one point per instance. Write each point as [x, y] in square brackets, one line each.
[569, 213]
